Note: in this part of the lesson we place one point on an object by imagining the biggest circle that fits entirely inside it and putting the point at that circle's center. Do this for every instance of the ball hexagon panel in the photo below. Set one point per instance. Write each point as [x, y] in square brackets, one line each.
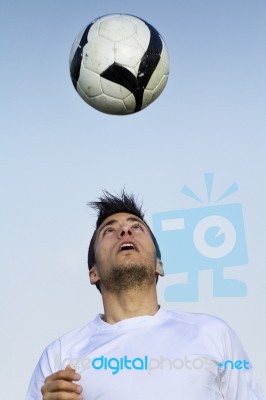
[116, 28]
[128, 53]
[103, 54]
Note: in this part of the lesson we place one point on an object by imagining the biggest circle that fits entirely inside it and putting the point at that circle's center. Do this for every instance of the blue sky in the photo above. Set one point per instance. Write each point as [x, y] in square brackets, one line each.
[57, 153]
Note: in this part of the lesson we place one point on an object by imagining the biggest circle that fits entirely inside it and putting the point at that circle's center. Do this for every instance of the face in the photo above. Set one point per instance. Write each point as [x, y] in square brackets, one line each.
[125, 253]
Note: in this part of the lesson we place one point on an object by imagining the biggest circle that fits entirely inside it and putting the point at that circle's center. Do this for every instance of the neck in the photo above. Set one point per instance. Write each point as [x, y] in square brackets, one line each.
[129, 304]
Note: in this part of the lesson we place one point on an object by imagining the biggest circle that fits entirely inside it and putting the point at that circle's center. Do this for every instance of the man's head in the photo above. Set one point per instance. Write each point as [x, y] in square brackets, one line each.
[121, 222]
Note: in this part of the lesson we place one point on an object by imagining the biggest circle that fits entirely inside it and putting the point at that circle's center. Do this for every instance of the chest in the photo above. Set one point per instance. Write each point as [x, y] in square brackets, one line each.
[144, 363]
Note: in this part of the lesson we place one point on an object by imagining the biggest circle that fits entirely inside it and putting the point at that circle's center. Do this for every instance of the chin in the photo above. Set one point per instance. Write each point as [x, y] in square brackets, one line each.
[129, 275]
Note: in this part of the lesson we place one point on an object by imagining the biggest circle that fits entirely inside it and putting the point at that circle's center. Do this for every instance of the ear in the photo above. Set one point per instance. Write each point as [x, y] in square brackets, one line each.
[93, 274]
[159, 267]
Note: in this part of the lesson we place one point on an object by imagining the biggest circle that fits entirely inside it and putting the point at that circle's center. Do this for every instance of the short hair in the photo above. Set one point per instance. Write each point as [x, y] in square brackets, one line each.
[109, 204]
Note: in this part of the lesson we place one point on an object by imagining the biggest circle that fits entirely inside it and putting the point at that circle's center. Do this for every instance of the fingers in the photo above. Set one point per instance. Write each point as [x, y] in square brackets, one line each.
[60, 386]
[70, 368]
[69, 374]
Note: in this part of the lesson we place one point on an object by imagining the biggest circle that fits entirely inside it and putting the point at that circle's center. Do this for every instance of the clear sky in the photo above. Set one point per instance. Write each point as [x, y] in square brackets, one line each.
[57, 154]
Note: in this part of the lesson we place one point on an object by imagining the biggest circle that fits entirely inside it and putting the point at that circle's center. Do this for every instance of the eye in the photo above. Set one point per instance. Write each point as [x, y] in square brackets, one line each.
[108, 229]
[137, 226]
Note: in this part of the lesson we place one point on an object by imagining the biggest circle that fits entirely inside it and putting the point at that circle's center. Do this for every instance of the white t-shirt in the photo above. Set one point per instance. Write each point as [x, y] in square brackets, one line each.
[171, 355]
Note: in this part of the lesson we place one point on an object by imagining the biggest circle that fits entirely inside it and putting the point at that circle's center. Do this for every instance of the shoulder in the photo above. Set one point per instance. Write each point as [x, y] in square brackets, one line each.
[208, 329]
[68, 343]
[200, 321]
[78, 334]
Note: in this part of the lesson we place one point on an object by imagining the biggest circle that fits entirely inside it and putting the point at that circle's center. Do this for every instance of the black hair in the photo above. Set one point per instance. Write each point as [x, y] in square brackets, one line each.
[109, 204]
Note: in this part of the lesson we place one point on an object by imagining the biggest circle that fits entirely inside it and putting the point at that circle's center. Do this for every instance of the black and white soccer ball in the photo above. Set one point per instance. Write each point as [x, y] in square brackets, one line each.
[119, 64]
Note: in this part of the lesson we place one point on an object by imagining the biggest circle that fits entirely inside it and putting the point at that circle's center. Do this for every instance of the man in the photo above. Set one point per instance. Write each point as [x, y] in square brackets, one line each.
[137, 350]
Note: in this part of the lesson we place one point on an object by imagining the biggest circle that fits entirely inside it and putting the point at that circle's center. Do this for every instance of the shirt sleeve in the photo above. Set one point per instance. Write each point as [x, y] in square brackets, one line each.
[238, 379]
[47, 365]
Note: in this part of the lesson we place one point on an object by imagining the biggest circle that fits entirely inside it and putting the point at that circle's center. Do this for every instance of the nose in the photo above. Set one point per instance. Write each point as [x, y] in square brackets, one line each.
[125, 230]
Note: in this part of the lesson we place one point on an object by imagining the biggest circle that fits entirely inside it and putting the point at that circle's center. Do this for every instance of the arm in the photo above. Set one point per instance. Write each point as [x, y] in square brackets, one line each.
[238, 380]
[50, 377]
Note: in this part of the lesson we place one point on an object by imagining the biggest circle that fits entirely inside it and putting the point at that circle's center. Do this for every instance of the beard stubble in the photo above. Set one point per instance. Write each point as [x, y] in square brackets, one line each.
[128, 276]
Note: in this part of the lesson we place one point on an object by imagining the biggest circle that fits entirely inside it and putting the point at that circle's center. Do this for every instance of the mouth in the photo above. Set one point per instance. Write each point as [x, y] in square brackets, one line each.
[127, 246]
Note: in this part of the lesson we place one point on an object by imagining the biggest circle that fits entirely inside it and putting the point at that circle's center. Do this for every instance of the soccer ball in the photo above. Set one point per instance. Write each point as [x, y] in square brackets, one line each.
[119, 64]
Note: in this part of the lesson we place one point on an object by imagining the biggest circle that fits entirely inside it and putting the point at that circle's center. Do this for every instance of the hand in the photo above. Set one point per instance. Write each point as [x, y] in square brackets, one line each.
[60, 386]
